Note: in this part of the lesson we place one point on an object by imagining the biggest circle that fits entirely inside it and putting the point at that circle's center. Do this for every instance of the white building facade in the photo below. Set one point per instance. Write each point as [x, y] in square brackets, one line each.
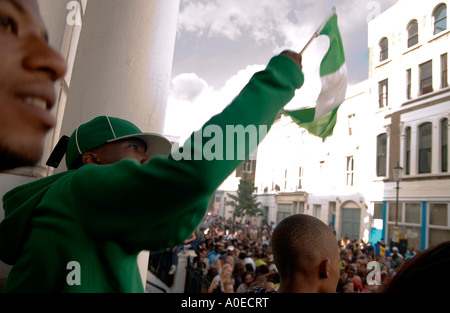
[408, 74]
[299, 173]
[399, 116]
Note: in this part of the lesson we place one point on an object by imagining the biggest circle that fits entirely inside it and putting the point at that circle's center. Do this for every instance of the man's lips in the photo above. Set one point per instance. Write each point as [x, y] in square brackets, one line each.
[39, 97]
[36, 102]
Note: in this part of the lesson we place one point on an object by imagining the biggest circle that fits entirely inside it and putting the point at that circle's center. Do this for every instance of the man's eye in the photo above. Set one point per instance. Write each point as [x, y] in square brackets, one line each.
[133, 147]
[8, 24]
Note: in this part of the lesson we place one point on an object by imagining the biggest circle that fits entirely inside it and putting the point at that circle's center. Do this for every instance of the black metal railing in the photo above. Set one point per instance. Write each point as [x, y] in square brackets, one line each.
[159, 264]
[196, 281]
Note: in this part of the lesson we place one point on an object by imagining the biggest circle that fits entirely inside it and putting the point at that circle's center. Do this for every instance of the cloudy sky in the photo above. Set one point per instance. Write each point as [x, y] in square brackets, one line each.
[220, 44]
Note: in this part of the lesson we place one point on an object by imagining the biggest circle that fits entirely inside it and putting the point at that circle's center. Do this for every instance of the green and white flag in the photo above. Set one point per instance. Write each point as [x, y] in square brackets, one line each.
[321, 119]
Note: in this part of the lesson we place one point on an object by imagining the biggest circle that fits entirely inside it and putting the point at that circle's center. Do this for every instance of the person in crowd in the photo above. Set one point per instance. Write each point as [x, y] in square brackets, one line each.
[218, 282]
[306, 254]
[214, 270]
[29, 69]
[191, 243]
[215, 253]
[228, 286]
[250, 262]
[270, 286]
[247, 279]
[238, 272]
[410, 253]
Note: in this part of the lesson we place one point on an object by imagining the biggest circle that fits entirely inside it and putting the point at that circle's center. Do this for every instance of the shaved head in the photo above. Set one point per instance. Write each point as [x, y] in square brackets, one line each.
[299, 240]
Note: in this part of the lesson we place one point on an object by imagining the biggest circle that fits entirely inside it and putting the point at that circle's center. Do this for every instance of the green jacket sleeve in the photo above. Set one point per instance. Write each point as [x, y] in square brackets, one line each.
[159, 204]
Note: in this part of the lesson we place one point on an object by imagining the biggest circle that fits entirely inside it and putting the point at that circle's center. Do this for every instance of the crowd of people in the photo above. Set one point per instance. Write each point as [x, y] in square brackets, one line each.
[237, 257]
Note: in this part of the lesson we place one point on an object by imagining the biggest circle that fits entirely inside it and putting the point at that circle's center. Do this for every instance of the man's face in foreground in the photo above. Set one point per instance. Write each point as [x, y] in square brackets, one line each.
[28, 71]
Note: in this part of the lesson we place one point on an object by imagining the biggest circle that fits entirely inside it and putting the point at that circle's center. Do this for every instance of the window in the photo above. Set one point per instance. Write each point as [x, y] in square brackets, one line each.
[317, 210]
[425, 137]
[408, 84]
[300, 175]
[265, 212]
[408, 212]
[384, 49]
[408, 150]
[408, 220]
[393, 215]
[247, 168]
[284, 210]
[444, 144]
[426, 77]
[332, 213]
[301, 207]
[444, 71]
[351, 121]
[412, 213]
[438, 214]
[383, 93]
[440, 18]
[413, 33]
[350, 166]
[381, 154]
[285, 179]
[439, 228]
[378, 211]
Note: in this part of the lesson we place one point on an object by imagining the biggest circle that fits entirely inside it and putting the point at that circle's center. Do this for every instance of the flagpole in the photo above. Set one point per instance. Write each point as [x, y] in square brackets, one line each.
[316, 34]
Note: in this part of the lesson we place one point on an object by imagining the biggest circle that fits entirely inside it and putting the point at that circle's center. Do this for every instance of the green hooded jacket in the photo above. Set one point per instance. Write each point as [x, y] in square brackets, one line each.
[96, 220]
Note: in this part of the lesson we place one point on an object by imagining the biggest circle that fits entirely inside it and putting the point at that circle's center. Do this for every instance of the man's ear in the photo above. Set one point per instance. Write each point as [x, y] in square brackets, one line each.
[324, 268]
[89, 158]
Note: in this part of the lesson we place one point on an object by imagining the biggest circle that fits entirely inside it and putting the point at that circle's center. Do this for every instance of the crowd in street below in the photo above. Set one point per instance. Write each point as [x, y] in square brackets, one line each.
[236, 257]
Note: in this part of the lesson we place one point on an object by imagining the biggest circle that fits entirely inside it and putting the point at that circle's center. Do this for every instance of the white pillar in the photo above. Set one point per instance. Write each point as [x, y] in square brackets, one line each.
[448, 141]
[179, 280]
[123, 63]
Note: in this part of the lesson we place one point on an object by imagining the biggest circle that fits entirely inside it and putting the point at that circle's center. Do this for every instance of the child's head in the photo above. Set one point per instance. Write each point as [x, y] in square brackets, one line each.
[304, 246]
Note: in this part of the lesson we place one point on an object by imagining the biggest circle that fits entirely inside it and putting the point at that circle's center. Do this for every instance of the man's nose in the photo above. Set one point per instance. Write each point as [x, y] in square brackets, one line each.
[41, 57]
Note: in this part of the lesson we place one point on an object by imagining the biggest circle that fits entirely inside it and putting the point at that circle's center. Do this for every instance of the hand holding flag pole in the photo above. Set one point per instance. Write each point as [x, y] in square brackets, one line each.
[321, 119]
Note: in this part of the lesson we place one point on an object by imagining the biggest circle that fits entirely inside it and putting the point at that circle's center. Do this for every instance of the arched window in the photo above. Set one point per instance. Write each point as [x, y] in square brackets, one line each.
[413, 33]
[384, 49]
[440, 18]
[381, 154]
[444, 144]
[425, 140]
[408, 150]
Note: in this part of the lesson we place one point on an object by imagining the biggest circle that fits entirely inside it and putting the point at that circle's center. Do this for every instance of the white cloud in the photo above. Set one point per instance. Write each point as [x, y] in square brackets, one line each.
[276, 25]
[188, 110]
[188, 86]
[262, 18]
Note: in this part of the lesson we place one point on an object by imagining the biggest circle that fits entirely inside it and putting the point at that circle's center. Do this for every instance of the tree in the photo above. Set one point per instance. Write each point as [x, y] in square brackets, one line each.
[245, 204]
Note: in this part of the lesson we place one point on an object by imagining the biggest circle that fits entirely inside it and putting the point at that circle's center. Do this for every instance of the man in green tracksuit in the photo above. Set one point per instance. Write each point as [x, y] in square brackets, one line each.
[96, 219]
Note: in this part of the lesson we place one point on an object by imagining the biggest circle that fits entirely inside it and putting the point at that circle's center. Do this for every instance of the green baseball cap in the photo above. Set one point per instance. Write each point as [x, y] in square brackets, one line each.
[105, 129]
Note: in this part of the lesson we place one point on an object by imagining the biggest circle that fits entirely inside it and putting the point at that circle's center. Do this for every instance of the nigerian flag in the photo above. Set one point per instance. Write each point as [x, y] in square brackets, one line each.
[321, 119]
